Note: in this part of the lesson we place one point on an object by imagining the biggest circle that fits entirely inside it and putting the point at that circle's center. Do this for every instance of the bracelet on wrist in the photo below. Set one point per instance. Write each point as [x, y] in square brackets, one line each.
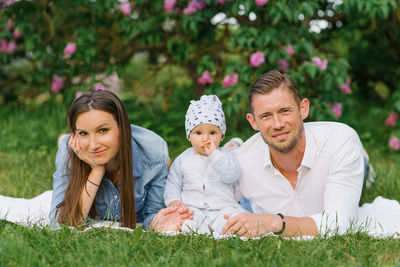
[93, 183]
[283, 224]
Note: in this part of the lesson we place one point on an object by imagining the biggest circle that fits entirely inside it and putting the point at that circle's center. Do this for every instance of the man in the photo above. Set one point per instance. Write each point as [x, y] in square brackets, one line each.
[301, 178]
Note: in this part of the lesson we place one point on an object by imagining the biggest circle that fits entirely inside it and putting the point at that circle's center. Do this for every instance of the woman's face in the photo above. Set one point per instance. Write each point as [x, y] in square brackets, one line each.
[98, 135]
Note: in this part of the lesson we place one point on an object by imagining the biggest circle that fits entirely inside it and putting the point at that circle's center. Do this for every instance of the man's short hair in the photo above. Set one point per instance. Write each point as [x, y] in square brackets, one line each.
[270, 81]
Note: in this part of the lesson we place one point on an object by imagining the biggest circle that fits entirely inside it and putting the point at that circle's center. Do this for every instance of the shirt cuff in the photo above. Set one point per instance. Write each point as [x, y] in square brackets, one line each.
[148, 220]
[329, 224]
[168, 201]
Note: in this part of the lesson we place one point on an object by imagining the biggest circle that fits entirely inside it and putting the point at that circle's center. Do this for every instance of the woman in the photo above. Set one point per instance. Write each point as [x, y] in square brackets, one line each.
[109, 169]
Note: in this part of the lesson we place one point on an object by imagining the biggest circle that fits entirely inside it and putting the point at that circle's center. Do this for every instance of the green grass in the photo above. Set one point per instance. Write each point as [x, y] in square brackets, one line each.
[34, 247]
[27, 152]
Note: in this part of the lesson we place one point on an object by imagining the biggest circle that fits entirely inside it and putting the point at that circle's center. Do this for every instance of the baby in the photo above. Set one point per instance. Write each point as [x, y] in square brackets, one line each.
[204, 177]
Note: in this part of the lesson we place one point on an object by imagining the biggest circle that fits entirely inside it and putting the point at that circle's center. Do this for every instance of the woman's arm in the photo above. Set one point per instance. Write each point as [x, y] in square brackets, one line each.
[90, 190]
[60, 179]
[93, 182]
[155, 189]
[61, 182]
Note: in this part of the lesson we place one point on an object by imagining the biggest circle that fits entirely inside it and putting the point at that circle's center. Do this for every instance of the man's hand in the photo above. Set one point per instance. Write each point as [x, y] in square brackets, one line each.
[251, 224]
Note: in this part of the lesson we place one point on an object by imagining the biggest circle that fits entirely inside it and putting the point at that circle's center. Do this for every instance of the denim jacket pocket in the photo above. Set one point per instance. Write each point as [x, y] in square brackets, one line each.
[103, 208]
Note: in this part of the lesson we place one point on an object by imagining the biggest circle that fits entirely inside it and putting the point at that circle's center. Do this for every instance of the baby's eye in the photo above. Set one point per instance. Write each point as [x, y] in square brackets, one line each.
[212, 132]
[198, 133]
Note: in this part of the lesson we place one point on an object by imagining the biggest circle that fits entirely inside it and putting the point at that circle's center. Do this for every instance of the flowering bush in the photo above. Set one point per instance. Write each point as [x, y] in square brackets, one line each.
[334, 51]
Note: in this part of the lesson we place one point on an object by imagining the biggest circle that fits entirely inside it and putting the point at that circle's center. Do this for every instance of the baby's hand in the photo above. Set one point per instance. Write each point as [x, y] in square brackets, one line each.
[176, 203]
[209, 148]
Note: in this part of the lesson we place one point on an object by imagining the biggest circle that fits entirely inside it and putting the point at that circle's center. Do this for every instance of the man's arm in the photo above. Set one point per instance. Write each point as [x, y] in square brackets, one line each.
[342, 191]
[251, 224]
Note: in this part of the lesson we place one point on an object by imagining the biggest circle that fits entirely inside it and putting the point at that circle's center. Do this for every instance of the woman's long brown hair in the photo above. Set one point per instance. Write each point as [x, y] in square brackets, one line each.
[70, 209]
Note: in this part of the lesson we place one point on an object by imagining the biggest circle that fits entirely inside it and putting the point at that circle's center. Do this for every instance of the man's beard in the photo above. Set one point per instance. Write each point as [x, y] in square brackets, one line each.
[292, 143]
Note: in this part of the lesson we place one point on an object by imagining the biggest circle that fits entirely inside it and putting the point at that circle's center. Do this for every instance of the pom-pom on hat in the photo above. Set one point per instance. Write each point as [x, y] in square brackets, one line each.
[207, 110]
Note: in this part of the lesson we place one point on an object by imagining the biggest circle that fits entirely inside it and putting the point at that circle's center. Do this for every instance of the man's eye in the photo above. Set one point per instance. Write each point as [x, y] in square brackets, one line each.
[82, 133]
[103, 130]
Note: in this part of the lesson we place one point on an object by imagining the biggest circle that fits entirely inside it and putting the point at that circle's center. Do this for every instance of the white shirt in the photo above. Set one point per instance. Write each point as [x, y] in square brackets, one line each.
[203, 182]
[330, 177]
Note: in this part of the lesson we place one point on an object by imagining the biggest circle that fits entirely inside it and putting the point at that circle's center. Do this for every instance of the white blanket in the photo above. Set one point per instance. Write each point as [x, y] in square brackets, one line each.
[380, 219]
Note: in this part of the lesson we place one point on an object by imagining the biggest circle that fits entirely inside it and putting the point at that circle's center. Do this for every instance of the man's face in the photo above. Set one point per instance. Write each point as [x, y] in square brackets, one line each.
[279, 118]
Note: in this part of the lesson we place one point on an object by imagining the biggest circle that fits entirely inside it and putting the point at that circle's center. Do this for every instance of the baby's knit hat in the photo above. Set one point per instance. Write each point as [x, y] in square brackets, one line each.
[206, 110]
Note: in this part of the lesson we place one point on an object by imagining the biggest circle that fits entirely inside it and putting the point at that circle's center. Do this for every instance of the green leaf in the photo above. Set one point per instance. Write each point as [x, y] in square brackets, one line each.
[397, 105]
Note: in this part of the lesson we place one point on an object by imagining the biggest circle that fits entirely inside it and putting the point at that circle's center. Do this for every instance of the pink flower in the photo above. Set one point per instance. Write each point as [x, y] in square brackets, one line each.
[10, 24]
[322, 64]
[337, 109]
[223, 1]
[289, 50]
[346, 87]
[205, 78]
[201, 5]
[69, 50]
[191, 8]
[283, 64]
[261, 2]
[230, 80]
[169, 5]
[391, 120]
[3, 46]
[12, 45]
[257, 58]
[7, 2]
[126, 8]
[78, 94]
[16, 33]
[99, 86]
[57, 84]
[394, 143]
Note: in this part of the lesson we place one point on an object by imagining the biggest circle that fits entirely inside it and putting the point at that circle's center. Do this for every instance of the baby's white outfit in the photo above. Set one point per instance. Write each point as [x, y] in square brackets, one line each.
[208, 185]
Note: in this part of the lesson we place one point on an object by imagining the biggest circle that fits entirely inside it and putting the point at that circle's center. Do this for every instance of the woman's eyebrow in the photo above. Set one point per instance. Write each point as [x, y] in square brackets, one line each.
[102, 125]
[98, 127]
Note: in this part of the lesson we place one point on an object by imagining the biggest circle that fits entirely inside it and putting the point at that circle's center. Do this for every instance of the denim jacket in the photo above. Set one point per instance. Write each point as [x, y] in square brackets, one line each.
[149, 155]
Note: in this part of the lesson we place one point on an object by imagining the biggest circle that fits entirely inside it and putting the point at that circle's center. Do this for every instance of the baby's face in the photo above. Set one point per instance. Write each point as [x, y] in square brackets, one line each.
[205, 138]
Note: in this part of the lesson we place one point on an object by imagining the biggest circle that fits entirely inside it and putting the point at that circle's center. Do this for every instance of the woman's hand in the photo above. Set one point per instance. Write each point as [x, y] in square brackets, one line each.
[171, 219]
[82, 155]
